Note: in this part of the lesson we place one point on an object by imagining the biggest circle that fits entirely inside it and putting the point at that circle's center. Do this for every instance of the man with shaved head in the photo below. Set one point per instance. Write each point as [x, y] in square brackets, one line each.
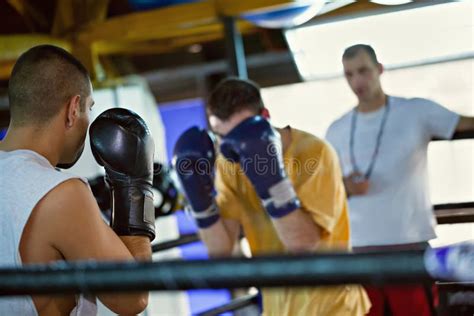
[47, 215]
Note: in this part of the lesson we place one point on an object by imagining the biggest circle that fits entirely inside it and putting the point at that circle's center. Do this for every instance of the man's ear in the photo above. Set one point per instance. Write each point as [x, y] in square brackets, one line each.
[265, 113]
[380, 68]
[72, 110]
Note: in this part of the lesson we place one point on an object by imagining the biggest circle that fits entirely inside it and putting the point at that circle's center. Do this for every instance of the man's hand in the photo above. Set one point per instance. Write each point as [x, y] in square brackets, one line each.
[356, 184]
[466, 124]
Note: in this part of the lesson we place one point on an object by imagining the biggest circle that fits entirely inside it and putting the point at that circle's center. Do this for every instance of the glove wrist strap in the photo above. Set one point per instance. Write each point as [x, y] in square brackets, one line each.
[133, 212]
[205, 218]
[282, 199]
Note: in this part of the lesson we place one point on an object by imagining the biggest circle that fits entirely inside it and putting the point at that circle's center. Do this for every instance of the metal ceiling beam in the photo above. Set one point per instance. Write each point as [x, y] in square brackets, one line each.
[234, 48]
[204, 69]
[179, 20]
[156, 46]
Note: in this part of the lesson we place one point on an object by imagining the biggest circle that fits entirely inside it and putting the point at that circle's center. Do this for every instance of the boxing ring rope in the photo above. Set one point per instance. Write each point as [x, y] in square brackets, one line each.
[170, 244]
[454, 213]
[270, 271]
[303, 270]
[460, 135]
[451, 213]
[445, 214]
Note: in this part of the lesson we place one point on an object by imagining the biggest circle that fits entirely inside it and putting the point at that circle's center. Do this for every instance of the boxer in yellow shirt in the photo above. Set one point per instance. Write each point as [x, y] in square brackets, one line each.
[283, 187]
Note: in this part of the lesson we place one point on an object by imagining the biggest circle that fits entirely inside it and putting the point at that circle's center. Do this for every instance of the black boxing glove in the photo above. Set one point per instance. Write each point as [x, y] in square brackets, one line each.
[101, 192]
[122, 143]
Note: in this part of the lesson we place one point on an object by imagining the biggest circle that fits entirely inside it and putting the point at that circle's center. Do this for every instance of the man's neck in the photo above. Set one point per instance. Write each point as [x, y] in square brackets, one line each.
[33, 139]
[373, 104]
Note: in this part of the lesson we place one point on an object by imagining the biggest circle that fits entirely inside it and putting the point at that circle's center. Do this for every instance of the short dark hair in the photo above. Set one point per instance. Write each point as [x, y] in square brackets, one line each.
[43, 78]
[353, 50]
[232, 95]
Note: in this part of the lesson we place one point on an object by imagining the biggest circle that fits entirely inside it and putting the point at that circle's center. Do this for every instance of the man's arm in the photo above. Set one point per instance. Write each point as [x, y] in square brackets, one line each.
[298, 231]
[465, 124]
[194, 159]
[220, 238]
[139, 247]
[70, 218]
[254, 141]
[322, 194]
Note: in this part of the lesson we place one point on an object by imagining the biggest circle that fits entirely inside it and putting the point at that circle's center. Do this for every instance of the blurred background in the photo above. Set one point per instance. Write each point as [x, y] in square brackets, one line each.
[161, 58]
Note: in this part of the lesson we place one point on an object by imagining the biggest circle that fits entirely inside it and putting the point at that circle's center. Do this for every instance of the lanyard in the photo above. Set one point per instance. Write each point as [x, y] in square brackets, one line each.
[377, 144]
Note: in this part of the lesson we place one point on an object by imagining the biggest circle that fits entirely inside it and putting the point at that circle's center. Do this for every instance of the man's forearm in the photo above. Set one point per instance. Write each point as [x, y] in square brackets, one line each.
[218, 240]
[134, 302]
[139, 247]
[298, 231]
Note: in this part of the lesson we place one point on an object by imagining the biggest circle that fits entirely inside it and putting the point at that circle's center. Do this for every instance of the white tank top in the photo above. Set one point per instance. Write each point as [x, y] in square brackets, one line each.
[25, 178]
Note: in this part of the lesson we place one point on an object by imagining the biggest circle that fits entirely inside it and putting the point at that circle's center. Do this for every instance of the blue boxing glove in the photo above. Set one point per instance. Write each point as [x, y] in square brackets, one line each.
[257, 147]
[193, 159]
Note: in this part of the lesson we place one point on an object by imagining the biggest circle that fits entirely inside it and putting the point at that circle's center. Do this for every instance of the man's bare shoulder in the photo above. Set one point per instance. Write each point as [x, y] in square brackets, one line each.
[67, 197]
[71, 217]
[69, 208]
